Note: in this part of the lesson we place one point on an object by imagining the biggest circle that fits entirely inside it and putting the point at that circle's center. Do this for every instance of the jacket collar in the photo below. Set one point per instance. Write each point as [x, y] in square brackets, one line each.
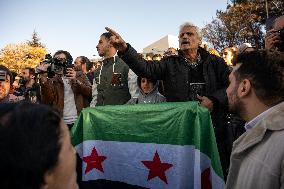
[272, 121]
[153, 91]
[201, 51]
[110, 60]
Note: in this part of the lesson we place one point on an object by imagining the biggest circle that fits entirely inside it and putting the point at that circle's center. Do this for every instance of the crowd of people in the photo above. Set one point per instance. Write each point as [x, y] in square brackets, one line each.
[243, 89]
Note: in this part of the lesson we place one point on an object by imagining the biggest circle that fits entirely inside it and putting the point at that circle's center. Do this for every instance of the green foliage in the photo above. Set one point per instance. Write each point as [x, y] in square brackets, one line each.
[243, 21]
[35, 41]
[18, 56]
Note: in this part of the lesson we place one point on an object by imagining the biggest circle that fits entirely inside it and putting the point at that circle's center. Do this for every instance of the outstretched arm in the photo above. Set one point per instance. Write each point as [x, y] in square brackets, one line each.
[149, 69]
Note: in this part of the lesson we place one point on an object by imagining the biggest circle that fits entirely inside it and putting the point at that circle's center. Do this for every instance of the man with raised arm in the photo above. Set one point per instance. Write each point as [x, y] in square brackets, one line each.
[193, 74]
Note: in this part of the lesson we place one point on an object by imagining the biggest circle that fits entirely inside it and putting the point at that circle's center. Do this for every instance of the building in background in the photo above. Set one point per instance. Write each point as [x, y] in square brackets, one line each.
[160, 46]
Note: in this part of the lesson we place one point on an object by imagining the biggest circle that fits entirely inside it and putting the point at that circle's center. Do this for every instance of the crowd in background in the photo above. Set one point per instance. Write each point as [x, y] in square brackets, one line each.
[191, 73]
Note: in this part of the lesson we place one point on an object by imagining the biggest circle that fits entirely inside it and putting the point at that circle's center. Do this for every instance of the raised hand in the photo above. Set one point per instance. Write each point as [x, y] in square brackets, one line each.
[117, 41]
[71, 74]
[272, 38]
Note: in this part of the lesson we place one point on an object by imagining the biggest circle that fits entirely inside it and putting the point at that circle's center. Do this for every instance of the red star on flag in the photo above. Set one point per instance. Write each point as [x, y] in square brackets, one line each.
[206, 179]
[157, 168]
[94, 161]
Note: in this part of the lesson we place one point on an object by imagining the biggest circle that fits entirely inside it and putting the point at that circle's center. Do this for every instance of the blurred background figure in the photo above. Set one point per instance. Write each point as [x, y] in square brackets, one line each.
[26, 86]
[149, 56]
[245, 47]
[171, 51]
[96, 65]
[274, 38]
[83, 64]
[228, 55]
[35, 148]
[157, 57]
[213, 51]
[6, 80]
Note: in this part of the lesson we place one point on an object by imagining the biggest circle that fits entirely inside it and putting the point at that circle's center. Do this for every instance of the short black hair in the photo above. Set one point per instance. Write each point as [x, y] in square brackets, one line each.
[107, 35]
[4, 68]
[139, 78]
[67, 54]
[30, 143]
[265, 70]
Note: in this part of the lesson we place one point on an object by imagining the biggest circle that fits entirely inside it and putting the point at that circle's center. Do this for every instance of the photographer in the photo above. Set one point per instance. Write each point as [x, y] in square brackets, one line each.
[64, 88]
[6, 80]
[28, 88]
[274, 38]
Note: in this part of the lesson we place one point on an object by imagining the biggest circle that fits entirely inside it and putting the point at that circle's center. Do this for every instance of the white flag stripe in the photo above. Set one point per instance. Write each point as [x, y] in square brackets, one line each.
[185, 172]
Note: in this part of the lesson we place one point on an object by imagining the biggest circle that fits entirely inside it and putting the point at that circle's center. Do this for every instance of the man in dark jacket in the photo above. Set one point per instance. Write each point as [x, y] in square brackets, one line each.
[192, 66]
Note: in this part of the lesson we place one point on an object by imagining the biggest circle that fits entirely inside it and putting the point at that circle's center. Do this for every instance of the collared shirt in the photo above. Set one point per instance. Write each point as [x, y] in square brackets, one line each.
[254, 121]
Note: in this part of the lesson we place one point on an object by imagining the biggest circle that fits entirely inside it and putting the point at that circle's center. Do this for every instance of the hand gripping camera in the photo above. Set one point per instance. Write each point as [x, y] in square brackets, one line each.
[281, 45]
[57, 66]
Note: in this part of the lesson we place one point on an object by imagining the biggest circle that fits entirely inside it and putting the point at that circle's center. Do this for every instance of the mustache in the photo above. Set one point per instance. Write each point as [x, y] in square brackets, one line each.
[185, 42]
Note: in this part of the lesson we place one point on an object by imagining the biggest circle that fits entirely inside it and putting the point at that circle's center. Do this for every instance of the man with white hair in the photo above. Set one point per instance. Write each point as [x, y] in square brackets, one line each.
[193, 74]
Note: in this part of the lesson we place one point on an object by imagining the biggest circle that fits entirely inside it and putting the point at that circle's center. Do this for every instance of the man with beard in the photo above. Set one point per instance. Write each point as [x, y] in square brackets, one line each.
[6, 80]
[83, 64]
[68, 90]
[114, 83]
[29, 90]
[185, 76]
[256, 93]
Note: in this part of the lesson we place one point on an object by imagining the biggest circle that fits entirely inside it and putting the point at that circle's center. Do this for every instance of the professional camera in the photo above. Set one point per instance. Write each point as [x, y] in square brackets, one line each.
[57, 66]
[3, 75]
[281, 45]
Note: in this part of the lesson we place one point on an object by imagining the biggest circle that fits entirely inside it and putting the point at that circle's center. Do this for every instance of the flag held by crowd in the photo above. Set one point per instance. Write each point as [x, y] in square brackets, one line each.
[170, 145]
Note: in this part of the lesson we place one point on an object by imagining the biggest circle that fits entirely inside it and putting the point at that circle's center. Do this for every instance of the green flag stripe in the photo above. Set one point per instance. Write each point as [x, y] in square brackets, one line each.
[183, 123]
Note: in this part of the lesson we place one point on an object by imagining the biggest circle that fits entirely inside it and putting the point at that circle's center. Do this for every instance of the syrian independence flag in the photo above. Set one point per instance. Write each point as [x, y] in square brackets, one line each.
[168, 145]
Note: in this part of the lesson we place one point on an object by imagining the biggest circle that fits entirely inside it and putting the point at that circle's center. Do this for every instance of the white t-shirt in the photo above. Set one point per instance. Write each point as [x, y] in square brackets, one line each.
[69, 110]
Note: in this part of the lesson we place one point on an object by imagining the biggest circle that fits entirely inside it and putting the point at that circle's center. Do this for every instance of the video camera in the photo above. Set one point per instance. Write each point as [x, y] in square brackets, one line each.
[281, 45]
[3, 75]
[57, 66]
